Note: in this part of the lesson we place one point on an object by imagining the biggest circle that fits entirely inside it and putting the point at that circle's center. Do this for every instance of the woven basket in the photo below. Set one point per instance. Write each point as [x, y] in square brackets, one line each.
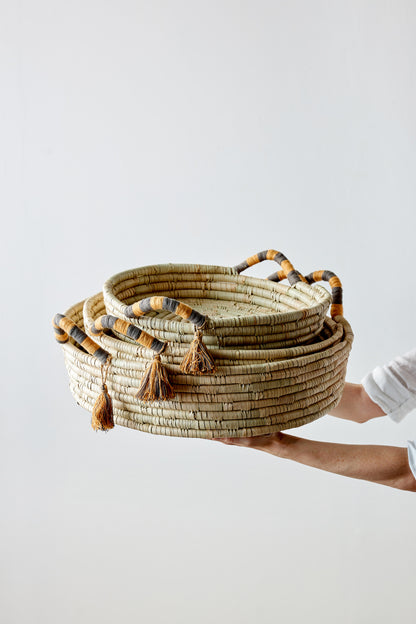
[240, 311]
[260, 384]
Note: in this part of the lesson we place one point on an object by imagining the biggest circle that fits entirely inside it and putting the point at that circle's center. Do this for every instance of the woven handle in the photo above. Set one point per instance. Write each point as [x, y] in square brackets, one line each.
[65, 327]
[336, 289]
[288, 271]
[165, 303]
[127, 329]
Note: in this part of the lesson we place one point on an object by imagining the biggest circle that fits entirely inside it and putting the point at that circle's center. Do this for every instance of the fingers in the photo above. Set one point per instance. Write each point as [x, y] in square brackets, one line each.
[261, 442]
[235, 441]
[253, 442]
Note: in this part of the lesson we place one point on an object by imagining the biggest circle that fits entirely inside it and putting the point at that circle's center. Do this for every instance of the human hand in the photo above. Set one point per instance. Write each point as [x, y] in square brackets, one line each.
[273, 443]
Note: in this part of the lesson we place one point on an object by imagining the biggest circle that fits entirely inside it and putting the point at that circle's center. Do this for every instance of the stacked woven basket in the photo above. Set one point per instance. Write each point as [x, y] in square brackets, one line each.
[203, 351]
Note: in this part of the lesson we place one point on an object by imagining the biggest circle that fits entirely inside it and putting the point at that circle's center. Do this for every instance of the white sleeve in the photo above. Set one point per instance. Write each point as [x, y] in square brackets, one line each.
[393, 386]
[411, 454]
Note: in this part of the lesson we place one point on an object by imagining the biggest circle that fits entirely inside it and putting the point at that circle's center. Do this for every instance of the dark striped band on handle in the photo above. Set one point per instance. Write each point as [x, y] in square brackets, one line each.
[65, 327]
[271, 254]
[127, 329]
[336, 289]
[165, 303]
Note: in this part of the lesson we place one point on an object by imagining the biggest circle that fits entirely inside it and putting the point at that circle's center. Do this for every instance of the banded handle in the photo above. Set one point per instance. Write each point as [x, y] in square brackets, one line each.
[65, 327]
[336, 289]
[106, 321]
[165, 303]
[288, 271]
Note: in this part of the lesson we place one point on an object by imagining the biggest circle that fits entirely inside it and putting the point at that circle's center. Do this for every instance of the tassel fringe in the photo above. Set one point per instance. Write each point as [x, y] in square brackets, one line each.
[198, 360]
[102, 412]
[155, 385]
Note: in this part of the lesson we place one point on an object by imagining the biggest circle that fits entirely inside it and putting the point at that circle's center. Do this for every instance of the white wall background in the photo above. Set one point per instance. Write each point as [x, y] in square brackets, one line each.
[144, 132]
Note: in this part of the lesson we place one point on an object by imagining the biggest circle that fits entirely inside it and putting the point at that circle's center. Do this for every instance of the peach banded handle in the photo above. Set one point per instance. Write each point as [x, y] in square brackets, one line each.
[65, 327]
[336, 289]
[106, 321]
[165, 303]
[288, 270]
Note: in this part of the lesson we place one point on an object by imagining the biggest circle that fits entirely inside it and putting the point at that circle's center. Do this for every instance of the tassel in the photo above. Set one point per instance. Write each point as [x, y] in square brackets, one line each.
[102, 412]
[155, 385]
[198, 360]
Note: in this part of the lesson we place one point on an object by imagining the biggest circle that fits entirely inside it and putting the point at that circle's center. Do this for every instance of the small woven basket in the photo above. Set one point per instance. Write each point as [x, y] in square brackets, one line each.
[239, 311]
[274, 360]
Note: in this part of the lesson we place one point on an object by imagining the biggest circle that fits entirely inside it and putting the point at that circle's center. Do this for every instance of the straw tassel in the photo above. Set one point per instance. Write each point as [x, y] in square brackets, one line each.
[102, 412]
[198, 360]
[155, 385]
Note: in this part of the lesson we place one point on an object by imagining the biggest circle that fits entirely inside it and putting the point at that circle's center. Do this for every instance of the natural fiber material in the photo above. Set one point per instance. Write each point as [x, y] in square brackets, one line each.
[279, 361]
[336, 286]
[240, 310]
[165, 303]
[155, 385]
[198, 360]
[107, 321]
[102, 412]
[288, 270]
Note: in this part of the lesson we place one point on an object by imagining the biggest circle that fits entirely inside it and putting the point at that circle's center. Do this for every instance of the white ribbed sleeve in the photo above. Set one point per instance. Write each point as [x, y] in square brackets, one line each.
[393, 388]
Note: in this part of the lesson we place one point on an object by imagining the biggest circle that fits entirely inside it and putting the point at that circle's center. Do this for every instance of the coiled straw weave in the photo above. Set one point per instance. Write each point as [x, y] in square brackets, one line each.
[280, 362]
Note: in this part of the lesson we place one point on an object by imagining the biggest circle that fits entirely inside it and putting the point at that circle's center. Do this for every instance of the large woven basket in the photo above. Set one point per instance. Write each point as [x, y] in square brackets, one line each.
[279, 362]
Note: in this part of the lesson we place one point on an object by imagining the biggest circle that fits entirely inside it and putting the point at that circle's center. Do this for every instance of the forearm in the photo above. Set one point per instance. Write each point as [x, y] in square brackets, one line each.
[387, 465]
[356, 405]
